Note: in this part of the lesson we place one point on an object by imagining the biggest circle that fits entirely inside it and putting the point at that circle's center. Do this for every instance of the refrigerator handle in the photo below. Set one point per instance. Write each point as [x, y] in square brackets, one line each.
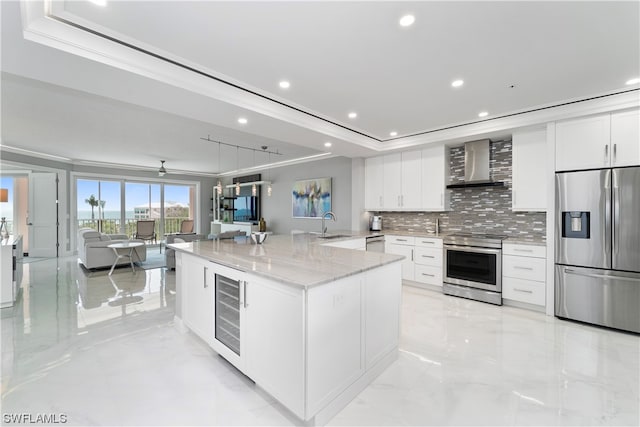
[600, 276]
[615, 234]
[606, 154]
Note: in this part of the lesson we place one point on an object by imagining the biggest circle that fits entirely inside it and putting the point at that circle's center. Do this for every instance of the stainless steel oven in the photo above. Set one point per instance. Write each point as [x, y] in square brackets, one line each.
[473, 267]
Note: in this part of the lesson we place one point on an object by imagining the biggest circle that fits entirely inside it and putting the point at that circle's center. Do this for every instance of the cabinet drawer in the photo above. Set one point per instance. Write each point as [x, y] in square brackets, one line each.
[523, 290]
[429, 242]
[524, 267]
[537, 251]
[428, 256]
[428, 274]
[400, 240]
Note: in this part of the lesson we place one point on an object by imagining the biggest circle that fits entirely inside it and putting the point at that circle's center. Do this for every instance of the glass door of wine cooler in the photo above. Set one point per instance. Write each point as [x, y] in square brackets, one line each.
[227, 319]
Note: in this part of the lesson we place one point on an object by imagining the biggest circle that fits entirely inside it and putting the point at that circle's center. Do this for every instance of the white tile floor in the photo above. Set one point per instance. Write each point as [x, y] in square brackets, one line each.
[106, 352]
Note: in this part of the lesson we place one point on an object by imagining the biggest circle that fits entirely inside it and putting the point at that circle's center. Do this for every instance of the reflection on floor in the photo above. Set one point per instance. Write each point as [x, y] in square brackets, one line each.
[103, 350]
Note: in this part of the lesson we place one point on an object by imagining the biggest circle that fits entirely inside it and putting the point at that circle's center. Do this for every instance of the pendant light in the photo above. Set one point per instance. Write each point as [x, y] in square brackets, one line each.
[269, 189]
[237, 168]
[254, 187]
[219, 186]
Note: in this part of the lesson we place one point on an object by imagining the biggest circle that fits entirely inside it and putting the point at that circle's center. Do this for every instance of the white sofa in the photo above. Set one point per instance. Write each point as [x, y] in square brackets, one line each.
[93, 250]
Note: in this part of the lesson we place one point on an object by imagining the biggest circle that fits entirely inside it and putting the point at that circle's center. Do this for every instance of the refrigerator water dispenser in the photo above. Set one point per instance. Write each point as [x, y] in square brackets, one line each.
[575, 225]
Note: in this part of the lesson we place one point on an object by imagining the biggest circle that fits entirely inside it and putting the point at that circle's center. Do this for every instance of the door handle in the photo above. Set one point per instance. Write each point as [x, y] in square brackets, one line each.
[606, 153]
[244, 288]
[615, 146]
[600, 276]
[523, 290]
[205, 277]
[522, 268]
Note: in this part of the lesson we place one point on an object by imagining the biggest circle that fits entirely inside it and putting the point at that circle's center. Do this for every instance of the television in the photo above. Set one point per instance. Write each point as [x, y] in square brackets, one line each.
[246, 209]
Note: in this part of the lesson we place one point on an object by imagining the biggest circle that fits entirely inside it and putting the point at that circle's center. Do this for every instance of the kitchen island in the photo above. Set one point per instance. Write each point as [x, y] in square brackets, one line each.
[312, 325]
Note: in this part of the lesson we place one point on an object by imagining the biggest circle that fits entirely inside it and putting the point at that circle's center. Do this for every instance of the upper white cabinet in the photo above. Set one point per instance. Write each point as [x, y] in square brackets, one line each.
[529, 170]
[599, 141]
[412, 180]
[411, 197]
[374, 182]
[625, 138]
[435, 176]
[392, 188]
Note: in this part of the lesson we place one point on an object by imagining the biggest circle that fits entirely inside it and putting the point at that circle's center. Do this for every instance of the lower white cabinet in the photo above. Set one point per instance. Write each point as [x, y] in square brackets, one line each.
[402, 245]
[523, 273]
[423, 257]
[197, 284]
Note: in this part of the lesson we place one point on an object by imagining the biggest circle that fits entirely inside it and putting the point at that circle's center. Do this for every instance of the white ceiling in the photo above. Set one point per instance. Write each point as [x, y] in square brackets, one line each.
[339, 57]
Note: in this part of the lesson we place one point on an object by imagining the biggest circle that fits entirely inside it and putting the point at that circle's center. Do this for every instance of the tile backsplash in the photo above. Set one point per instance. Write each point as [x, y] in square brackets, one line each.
[480, 210]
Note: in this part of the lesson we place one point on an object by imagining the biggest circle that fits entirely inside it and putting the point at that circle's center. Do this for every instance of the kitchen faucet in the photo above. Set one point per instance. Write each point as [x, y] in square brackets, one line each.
[333, 217]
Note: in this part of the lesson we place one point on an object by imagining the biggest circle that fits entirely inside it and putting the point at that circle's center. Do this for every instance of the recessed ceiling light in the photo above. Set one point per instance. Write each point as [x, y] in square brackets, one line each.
[284, 84]
[99, 2]
[457, 83]
[394, 133]
[242, 121]
[483, 114]
[633, 81]
[327, 144]
[353, 115]
[407, 20]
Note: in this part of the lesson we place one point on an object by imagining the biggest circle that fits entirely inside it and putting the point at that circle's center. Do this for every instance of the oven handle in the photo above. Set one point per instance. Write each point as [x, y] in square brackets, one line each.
[473, 249]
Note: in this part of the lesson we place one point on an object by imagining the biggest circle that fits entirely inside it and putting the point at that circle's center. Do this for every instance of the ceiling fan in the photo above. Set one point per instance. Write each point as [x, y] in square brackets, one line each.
[162, 171]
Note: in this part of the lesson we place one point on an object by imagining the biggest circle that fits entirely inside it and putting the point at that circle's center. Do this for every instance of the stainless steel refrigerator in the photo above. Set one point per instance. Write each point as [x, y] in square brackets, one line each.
[598, 247]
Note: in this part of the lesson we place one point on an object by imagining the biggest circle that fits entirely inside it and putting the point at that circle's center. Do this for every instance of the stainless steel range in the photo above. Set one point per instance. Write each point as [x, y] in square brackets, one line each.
[473, 266]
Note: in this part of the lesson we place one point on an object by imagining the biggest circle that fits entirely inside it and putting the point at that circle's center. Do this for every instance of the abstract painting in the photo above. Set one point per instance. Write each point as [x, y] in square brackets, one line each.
[311, 198]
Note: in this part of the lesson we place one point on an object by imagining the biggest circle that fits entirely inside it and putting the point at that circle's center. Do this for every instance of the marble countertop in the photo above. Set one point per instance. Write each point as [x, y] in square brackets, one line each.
[297, 259]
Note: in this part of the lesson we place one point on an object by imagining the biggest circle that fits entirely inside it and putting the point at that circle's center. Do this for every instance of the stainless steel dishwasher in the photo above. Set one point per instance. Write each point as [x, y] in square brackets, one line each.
[375, 244]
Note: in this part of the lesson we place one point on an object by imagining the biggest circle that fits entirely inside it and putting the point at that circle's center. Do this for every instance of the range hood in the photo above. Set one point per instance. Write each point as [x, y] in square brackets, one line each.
[476, 166]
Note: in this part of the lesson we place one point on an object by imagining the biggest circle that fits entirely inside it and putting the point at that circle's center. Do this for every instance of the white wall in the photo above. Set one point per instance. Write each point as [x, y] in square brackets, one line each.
[276, 209]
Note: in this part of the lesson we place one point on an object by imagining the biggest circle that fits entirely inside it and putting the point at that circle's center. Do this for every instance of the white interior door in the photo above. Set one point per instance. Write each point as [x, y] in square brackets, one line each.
[43, 214]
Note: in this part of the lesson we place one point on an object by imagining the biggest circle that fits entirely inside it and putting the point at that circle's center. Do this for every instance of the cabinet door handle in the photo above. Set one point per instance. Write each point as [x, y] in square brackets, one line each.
[430, 275]
[428, 242]
[401, 240]
[526, 291]
[411, 254]
[205, 277]
[522, 268]
[615, 146]
[428, 256]
[606, 153]
[244, 291]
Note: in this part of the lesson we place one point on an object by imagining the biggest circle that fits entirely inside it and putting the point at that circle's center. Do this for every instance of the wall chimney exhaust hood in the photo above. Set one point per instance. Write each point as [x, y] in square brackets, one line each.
[476, 166]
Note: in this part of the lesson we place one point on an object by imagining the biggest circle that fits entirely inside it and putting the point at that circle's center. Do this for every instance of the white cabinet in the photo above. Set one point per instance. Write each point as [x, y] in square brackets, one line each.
[374, 183]
[392, 187]
[625, 138]
[529, 170]
[402, 245]
[599, 141]
[435, 176]
[275, 343]
[411, 180]
[197, 289]
[423, 257]
[411, 197]
[428, 256]
[523, 273]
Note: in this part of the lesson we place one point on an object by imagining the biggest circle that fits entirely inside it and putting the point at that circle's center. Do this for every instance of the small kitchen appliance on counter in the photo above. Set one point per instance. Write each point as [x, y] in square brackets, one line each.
[375, 223]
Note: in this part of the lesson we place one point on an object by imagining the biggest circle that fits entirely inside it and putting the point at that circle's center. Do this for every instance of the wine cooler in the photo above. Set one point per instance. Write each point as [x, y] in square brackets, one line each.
[227, 327]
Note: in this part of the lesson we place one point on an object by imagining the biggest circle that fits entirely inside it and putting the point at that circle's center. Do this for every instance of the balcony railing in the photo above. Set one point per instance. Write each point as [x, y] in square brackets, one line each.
[113, 226]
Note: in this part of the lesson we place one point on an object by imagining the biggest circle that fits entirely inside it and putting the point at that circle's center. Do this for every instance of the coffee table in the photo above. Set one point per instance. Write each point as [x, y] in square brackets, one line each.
[130, 246]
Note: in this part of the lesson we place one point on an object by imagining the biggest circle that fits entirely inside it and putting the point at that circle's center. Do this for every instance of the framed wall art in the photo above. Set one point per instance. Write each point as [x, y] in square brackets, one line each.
[310, 198]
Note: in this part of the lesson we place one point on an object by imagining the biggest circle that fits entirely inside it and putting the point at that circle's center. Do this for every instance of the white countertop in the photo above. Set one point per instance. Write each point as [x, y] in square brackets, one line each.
[297, 259]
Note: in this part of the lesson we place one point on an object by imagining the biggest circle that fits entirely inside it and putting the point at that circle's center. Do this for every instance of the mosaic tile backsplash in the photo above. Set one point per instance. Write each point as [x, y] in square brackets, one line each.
[478, 210]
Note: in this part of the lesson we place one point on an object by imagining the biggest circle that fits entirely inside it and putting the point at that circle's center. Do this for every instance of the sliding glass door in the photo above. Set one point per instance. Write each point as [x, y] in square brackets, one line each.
[115, 206]
[98, 205]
